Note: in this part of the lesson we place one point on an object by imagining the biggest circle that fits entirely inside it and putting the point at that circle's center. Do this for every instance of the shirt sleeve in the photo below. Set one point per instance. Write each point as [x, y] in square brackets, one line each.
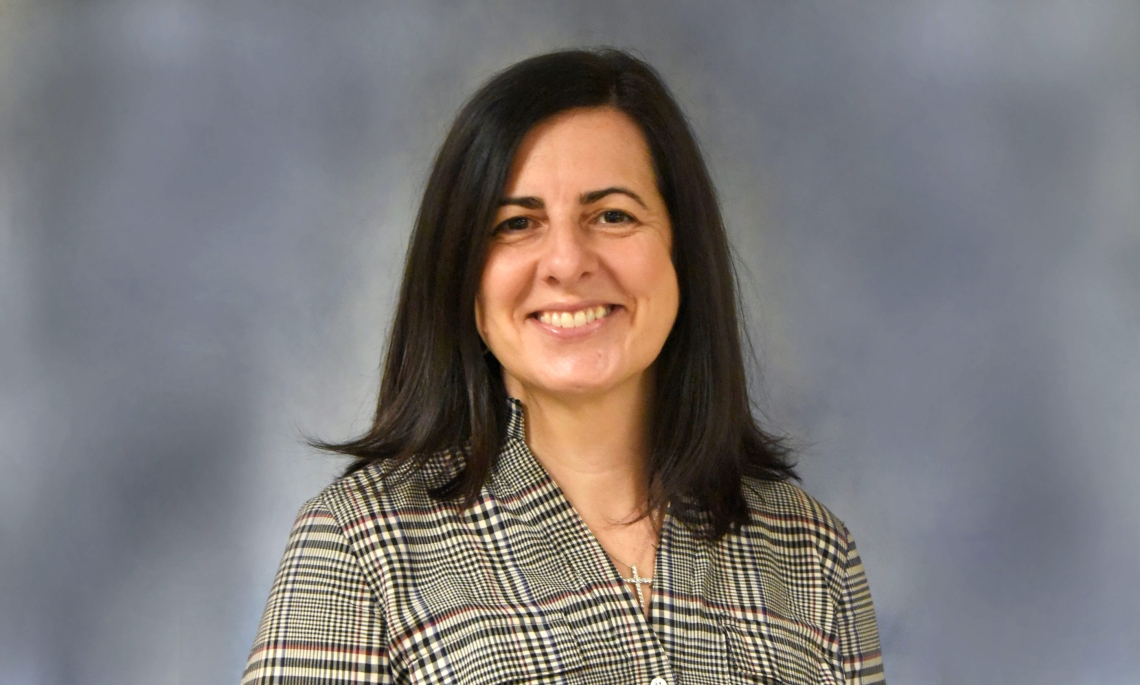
[860, 653]
[322, 623]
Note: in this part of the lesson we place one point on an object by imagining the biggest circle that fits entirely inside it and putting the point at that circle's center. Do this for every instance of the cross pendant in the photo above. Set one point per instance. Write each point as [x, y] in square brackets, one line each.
[638, 581]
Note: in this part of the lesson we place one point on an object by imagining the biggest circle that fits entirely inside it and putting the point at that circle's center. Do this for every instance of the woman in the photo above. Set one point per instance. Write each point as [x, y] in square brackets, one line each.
[563, 481]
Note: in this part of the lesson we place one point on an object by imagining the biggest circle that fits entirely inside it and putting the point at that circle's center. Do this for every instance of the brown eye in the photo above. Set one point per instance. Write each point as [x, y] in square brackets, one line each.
[614, 216]
[514, 224]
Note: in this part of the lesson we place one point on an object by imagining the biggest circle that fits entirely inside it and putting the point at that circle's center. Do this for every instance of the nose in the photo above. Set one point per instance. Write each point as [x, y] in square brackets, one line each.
[568, 255]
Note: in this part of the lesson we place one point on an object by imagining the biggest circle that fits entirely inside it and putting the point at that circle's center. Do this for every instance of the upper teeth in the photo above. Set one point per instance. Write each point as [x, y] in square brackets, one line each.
[574, 319]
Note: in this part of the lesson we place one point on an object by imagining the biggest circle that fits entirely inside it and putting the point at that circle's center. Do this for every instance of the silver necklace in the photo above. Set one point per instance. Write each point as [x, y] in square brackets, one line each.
[637, 579]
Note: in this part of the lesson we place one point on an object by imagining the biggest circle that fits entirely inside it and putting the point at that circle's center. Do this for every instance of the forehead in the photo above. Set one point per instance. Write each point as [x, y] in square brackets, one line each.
[583, 146]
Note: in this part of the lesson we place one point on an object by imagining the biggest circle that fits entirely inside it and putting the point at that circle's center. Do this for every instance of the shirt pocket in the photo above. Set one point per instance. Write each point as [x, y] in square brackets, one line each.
[478, 645]
[775, 649]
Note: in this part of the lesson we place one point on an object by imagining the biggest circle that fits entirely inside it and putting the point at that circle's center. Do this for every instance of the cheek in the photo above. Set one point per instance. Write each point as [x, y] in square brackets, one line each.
[656, 279]
[664, 301]
[500, 288]
[669, 295]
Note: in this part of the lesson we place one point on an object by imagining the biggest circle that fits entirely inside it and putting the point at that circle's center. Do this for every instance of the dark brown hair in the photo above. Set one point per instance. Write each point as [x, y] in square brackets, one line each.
[440, 392]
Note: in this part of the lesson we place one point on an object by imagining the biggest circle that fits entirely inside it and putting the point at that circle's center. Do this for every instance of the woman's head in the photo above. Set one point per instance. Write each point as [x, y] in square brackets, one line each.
[442, 389]
[578, 291]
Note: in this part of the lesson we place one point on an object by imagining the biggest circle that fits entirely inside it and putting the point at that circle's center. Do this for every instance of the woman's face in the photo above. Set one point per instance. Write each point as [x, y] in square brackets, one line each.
[579, 293]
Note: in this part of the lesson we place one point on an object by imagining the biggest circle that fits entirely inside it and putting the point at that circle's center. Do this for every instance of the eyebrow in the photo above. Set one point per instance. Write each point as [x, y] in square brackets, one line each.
[524, 202]
[585, 198]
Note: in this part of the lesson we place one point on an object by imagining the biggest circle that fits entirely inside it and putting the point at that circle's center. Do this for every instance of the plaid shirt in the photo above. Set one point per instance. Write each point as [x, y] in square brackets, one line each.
[381, 583]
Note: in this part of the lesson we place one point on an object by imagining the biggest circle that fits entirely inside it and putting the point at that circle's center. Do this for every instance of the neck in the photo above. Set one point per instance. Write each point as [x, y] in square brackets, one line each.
[593, 447]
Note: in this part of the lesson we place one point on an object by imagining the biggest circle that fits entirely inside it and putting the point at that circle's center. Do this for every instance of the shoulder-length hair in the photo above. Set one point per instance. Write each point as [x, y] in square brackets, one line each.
[443, 393]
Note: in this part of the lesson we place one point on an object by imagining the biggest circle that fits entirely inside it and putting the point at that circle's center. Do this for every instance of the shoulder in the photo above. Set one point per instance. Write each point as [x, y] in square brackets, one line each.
[377, 494]
[783, 510]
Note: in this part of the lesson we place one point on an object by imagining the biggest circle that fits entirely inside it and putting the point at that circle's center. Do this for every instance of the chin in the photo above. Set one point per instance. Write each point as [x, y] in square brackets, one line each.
[573, 376]
[574, 388]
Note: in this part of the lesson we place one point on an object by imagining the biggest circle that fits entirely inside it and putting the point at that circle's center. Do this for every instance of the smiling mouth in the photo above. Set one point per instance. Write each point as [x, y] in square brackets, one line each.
[574, 319]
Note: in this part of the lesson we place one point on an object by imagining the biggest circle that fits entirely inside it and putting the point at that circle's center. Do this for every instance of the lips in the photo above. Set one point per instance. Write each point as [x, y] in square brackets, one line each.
[573, 318]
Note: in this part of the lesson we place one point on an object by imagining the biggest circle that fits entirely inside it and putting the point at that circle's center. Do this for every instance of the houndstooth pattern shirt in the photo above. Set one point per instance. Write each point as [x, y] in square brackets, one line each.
[381, 583]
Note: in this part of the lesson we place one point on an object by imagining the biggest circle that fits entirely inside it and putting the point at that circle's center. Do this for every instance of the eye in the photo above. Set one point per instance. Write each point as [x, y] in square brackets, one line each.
[513, 225]
[614, 216]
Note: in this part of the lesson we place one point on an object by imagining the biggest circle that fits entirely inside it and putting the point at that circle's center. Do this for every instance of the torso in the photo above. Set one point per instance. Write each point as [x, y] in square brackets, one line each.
[518, 589]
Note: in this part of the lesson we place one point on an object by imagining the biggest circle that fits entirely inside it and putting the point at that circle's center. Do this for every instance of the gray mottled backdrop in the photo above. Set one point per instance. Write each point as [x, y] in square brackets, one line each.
[203, 212]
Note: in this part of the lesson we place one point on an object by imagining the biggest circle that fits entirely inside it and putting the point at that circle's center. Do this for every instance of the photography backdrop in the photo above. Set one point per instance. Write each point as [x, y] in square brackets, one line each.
[204, 207]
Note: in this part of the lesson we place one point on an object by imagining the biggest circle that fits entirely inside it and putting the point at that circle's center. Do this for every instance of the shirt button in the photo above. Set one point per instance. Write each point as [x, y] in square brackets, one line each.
[658, 681]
